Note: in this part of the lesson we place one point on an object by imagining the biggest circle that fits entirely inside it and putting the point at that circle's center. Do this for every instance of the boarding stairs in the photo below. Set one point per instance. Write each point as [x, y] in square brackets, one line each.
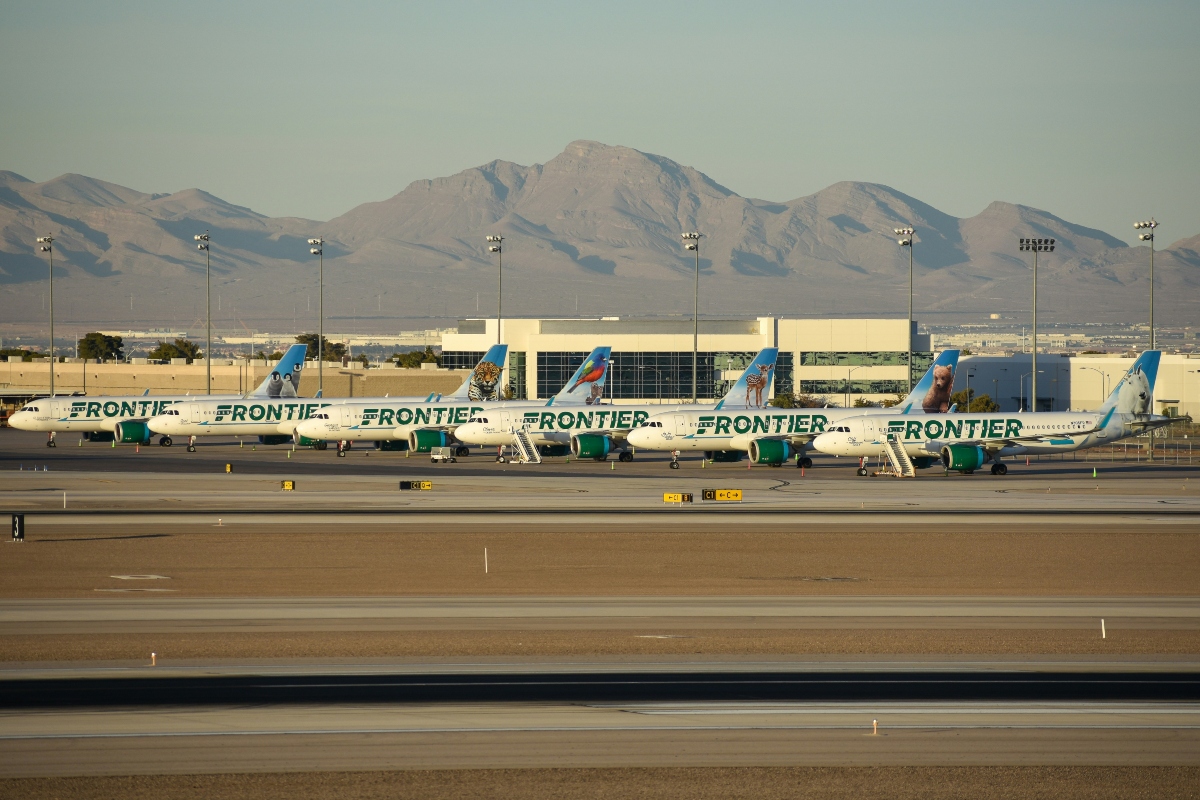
[526, 451]
[897, 456]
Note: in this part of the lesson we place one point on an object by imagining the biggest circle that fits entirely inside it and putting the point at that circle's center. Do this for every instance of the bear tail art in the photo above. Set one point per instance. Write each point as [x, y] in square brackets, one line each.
[932, 393]
[1134, 393]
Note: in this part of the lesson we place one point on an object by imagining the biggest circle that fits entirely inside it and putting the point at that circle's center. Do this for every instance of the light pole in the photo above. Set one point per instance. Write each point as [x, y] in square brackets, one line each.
[47, 246]
[1103, 382]
[1036, 246]
[691, 241]
[906, 240]
[969, 374]
[317, 248]
[202, 238]
[495, 246]
[849, 372]
[1149, 237]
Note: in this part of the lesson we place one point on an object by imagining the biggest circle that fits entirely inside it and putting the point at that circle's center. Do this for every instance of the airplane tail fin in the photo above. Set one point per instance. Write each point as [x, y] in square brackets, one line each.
[587, 384]
[484, 381]
[1134, 394]
[932, 393]
[284, 380]
[755, 380]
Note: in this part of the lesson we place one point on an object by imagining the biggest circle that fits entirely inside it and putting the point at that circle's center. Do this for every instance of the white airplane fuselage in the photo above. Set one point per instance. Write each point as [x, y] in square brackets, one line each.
[92, 414]
[1001, 434]
[236, 417]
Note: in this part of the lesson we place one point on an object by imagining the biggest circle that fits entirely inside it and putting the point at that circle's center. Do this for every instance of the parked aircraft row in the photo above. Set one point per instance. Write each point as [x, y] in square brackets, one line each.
[920, 431]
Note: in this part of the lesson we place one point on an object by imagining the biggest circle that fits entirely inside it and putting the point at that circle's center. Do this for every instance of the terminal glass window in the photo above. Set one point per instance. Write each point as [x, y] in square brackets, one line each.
[516, 375]
[836, 387]
[554, 369]
[461, 359]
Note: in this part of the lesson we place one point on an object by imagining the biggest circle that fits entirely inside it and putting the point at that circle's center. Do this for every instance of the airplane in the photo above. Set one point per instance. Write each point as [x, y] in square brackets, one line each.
[773, 436]
[124, 419]
[966, 442]
[275, 421]
[423, 426]
[599, 430]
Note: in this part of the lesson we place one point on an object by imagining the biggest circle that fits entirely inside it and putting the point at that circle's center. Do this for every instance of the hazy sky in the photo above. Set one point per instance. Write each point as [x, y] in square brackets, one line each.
[1088, 109]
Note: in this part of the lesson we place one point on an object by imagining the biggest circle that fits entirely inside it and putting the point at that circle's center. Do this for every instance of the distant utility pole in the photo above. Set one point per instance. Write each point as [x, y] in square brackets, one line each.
[906, 240]
[495, 246]
[317, 248]
[202, 238]
[1035, 246]
[47, 246]
[691, 241]
[1149, 237]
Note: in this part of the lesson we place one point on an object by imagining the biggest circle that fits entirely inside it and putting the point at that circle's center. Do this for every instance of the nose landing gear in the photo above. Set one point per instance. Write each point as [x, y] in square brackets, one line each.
[191, 448]
[50, 442]
[674, 459]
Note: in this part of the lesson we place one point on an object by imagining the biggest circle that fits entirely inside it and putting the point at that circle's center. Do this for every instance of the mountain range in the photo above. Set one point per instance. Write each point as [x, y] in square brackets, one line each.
[595, 231]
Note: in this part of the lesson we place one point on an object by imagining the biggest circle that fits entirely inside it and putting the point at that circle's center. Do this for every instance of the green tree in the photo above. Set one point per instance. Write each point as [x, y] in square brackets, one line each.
[416, 358]
[893, 401]
[793, 400]
[100, 347]
[277, 355]
[973, 403]
[332, 351]
[180, 348]
[24, 355]
[862, 402]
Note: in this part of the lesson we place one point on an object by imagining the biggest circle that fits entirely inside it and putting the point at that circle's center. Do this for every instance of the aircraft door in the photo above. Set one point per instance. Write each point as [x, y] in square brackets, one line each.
[345, 417]
[195, 413]
[680, 425]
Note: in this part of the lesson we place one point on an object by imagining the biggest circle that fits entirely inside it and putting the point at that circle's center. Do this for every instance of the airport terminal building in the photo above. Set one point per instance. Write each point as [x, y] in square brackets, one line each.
[652, 357]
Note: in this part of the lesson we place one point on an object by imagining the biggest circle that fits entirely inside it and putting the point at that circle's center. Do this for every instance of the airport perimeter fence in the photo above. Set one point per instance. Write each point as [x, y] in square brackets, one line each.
[1135, 450]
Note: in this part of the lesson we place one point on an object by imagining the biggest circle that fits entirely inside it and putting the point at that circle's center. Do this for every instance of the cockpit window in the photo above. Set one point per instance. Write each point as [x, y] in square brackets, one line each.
[34, 409]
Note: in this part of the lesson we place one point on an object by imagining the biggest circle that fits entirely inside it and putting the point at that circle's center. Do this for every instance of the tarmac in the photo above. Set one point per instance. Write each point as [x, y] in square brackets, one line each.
[269, 714]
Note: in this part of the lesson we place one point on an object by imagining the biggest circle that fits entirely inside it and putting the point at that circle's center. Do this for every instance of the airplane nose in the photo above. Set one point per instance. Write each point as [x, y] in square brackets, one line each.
[639, 437]
[467, 433]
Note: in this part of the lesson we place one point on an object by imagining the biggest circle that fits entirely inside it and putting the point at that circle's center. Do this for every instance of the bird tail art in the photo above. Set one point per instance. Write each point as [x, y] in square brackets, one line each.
[753, 389]
[586, 386]
[284, 379]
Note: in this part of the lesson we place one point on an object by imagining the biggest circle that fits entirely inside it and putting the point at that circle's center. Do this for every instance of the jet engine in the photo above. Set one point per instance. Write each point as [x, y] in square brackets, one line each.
[132, 433]
[589, 445]
[425, 441]
[769, 451]
[963, 458]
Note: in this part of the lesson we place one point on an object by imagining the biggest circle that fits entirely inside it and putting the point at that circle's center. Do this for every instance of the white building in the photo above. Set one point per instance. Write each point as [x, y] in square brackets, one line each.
[1077, 381]
[652, 358]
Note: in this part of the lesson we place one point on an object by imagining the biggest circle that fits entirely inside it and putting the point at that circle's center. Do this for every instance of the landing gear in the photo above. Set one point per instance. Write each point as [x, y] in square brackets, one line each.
[999, 469]
[626, 456]
[803, 462]
[674, 459]
[164, 441]
[50, 442]
[862, 472]
[462, 451]
[500, 457]
[321, 446]
[191, 448]
[341, 449]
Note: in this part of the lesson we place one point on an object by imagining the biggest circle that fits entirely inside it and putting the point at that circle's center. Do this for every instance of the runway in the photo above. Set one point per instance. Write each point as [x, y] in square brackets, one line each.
[400, 613]
[473, 735]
